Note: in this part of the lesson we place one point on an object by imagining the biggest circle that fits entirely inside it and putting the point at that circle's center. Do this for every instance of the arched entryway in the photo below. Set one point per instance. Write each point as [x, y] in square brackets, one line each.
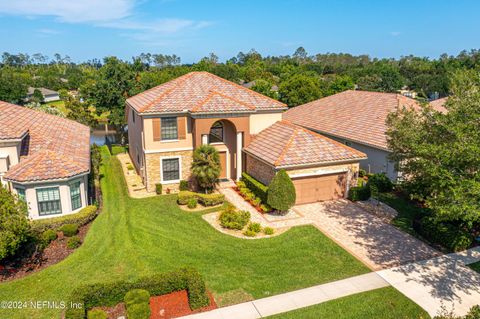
[222, 135]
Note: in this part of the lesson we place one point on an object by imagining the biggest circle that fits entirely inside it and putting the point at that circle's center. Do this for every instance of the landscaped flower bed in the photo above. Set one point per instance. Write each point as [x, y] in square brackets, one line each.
[239, 221]
[255, 195]
[191, 200]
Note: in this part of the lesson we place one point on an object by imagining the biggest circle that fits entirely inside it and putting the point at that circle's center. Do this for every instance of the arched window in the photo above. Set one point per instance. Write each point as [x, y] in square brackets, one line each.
[216, 133]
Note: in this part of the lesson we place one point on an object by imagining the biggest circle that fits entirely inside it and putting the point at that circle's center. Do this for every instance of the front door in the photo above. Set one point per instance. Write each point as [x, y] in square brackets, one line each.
[223, 165]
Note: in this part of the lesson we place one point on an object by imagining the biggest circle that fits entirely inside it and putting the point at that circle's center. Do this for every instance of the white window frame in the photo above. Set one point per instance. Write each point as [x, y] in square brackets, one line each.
[24, 193]
[176, 181]
[60, 200]
[79, 194]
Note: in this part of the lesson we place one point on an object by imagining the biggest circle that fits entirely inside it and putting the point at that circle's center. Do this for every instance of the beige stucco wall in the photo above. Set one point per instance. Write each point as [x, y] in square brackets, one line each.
[260, 121]
[151, 145]
[154, 172]
[64, 189]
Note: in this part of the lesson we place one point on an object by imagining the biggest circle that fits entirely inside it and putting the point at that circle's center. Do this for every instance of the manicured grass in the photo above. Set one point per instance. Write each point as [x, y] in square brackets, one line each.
[118, 149]
[383, 303]
[135, 237]
[475, 266]
[407, 211]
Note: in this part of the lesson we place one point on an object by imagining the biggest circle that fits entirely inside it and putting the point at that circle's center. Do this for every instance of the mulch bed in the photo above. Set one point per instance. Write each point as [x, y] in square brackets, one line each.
[257, 207]
[175, 305]
[32, 261]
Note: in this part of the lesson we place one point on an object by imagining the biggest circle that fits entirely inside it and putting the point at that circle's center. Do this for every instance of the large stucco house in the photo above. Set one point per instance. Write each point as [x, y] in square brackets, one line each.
[167, 122]
[45, 160]
[357, 119]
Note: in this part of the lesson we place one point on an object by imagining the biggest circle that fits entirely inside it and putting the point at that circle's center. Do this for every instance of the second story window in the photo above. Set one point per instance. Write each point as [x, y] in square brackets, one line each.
[169, 128]
[216, 133]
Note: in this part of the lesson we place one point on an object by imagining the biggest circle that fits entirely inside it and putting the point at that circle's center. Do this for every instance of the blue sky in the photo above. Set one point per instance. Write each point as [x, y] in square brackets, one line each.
[86, 29]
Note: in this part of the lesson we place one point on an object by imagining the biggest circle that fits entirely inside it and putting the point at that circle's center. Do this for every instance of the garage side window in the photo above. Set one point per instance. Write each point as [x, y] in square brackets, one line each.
[75, 197]
[49, 201]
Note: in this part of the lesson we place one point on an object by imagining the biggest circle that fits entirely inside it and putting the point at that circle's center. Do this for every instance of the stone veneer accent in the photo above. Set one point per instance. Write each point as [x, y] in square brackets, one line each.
[152, 165]
[259, 170]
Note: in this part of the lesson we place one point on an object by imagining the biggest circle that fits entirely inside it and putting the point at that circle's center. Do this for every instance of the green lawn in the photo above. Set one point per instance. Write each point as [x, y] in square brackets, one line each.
[133, 237]
[475, 266]
[383, 303]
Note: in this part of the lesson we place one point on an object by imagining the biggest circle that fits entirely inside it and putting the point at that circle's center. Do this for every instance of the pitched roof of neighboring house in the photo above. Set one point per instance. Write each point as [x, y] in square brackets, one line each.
[53, 148]
[286, 144]
[44, 91]
[439, 104]
[201, 92]
[353, 115]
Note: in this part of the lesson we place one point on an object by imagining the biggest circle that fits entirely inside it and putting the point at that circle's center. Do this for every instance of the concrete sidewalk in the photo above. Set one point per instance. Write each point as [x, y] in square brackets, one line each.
[296, 299]
[441, 282]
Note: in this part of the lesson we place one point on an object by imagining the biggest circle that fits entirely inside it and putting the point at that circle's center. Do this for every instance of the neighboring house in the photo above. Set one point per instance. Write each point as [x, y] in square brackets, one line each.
[48, 95]
[45, 160]
[320, 168]
[357, 119]
[439, 104]
[167, 122]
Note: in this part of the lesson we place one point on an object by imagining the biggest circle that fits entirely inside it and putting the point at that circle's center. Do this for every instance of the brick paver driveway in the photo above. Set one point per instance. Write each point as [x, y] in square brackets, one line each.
[377, 244]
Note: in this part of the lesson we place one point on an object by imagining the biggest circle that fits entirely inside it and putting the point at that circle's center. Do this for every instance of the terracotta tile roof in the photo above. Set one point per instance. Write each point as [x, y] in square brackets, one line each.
[354, 115]
[201, 92]
[439, 104]
[54, 147]
[286, 144]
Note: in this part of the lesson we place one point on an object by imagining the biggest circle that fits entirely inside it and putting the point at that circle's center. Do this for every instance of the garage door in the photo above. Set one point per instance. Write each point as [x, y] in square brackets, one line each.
[319, 188]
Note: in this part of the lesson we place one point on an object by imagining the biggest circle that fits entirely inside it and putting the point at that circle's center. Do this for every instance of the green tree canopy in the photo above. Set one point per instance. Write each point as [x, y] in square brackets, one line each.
[206, 166]
[14, 226]
[440, 153]
[281, 192]
[299, 89]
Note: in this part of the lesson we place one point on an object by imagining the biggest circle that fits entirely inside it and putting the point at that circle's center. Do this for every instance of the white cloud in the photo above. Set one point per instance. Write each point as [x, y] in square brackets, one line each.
[162, 26]
[395, 33]
[73, 11]
[48, 31]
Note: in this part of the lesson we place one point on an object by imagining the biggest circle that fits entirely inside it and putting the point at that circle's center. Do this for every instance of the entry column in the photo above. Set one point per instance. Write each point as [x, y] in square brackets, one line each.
[239, 154]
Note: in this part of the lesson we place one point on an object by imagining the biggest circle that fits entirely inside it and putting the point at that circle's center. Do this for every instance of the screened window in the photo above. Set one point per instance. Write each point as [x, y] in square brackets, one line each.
[216, 133]
[75, 196]
[49, 201]
[20, 193]
[171, 169]
[169, 128]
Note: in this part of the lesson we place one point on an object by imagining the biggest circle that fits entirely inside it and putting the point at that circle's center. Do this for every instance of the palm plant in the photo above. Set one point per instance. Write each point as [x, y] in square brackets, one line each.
[206, 167]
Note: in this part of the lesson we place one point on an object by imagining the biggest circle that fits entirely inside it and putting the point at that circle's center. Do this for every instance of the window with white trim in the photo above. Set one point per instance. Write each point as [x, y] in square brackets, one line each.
[170, 169]
[75, 196]
[49, 201]
[169, 129]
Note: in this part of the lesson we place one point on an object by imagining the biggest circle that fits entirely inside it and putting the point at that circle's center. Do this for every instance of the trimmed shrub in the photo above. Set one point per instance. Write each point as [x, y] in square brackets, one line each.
[255, 227]
[48, 236]
[69, 230]
[268, 230]
[183, 185]
[97, 314]
[74, 242]
[381, 182]
[250, 233]
[281, 192]
[232, 219]
[362, 173]
[204, 199]
[81, 218]
[260, 190]
[158, 188]
[256, 201]
[359, 193]
[192, 203]
[265, 208]
[130, 167]
[445, 234]
[113, 292]
[241, 184]
[137, 303]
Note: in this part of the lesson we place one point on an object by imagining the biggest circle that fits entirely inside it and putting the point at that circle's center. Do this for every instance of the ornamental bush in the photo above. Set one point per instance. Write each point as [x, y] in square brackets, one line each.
[281, 192]
[382, 183]
[47, 237]
[183, 185]
[192, 203]
[206, 166]
[14, 226]
[250, 233]
[205, 199]
[448, 235]
[232, 219]
[359, 193]
[260, 190]
[74, 242]
[158, 189]
[97, 314]
[137, 302]
[69, 230]
[268, 230]
[255, 227]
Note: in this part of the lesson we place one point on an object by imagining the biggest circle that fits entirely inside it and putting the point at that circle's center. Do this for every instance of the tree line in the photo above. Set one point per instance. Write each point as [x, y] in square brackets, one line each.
[101, 86]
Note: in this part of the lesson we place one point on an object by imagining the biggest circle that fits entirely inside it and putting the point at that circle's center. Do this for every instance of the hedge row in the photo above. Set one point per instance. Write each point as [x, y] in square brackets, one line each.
[359, 193]
[260, 190]
[81, 218]
[205, 199]
[112, 293]
[448, 235]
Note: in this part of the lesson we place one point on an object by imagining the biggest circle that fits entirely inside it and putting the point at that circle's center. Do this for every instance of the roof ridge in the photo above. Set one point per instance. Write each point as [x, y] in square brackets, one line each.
[243, 88]
[287, 146]
[202, 102]
[235, 100]
[180, 79]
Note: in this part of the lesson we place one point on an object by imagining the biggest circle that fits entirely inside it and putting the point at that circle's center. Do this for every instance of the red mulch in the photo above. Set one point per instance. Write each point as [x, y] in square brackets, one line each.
[236, 189]
[34, 261]
[175, 305]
